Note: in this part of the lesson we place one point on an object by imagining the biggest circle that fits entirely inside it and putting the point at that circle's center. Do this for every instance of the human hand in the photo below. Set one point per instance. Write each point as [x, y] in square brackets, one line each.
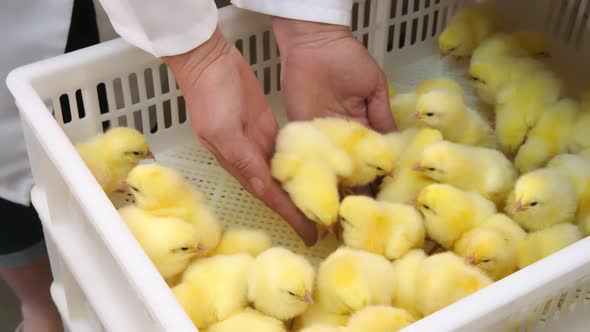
[233, 120]
[325, 72]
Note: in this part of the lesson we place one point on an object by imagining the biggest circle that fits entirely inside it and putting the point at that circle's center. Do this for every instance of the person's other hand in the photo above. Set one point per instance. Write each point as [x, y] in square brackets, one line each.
[233, 120]
[325, 72]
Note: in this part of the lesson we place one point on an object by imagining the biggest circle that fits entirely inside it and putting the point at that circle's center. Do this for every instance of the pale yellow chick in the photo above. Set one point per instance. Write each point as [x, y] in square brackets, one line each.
[520, 105]
[368, 149]
[215, 288]
[351, 279]
[468, 27]
[450, 212]
[248, 320]
[164, 192]
[379, 319]
[444, 279]
[489, 76]
[406, 183]
[542, 198]
[493, 246]
[543, 243]
[280, 283]
[110, 156]
[382, 228]
[242, 240]
[405, 278]
[549, 137]
[169, 242]
[484, 170]
[577, 170]
[316, 314]
[443, 111]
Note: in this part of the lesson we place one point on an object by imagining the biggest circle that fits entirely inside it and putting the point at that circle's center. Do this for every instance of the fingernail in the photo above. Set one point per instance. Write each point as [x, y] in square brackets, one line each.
[257, 185]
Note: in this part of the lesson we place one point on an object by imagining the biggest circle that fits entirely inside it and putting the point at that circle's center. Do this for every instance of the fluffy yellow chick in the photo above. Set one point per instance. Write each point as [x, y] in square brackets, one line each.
[403, 105]
[164, 192]
[542, 198]
[406, 183]
[577, 170]
[380, 227]
[484, 170]
[443, 111]
[241, 240]
[399, 140]
[351, 279]
[110, 156]
[313, 187]
[316, 314]
[213, 289]
[449, 212]
[493, 246]
[379, 319]
[280, 283]
[518, 44]
[368, 149]
[444, 279]
[520, 105]
[248, 320]
[543, 243]
[405, 277]
[468, 28]
[489, 76]
[549, 137]
[170, 243]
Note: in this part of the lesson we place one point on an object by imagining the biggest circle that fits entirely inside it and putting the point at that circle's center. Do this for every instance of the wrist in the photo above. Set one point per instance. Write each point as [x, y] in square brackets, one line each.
[195, 61]
[292, 33]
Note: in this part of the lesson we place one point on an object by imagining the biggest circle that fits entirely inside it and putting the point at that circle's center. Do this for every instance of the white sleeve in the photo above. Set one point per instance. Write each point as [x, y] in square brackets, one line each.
[160, 27]
[325, 11]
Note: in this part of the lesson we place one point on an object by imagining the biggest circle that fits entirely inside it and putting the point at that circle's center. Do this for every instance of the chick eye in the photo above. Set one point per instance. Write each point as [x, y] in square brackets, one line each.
[534, 203]
[486, 260]
[184, 248]
[291, 293]
[134, 189]
[426, 206]
[429, 114]
[135, 153]
[432, 169]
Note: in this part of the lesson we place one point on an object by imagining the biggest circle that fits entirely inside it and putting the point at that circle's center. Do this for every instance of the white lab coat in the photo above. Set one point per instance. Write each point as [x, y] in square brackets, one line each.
[37, 29]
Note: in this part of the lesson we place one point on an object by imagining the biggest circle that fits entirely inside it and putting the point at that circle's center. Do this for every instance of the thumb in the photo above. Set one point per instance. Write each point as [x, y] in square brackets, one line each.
[378, 109]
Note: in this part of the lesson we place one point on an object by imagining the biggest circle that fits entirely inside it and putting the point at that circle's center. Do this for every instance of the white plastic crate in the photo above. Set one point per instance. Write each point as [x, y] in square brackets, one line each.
[104, 281]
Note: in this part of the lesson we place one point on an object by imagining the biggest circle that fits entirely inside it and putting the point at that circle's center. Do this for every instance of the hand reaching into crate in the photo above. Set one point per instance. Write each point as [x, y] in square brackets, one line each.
[327, 72]
[233, 120]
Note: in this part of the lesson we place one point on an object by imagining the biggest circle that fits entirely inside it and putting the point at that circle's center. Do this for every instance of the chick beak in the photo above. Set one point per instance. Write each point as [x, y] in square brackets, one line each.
[518, 207]
[417, 115]
[307, 298]
[149, 155]
[200, 248]
[414, 201]
[470, 260]
[418, 168]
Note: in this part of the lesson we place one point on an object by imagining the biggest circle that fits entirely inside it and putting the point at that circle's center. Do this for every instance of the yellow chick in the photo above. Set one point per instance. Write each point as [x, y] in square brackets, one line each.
[280, 283]
[403, 105]
[543, 243]
[577, 170]
[517, 44]
[316, 314]
[468, 27]
[368, 150]
[520, 105]
[110, 156]
[351, 279]
[444, 279]
[484, 170]
[406, 183]
[215, 288]
[241, 240]
[443, 111]
[248, 320]
[493, 246]
[170, 243]
[379, 319]
[380, 227]
[164, 192]
[405, 277]
[399, 140]
[549, 137]
[489, 76]
[542, 198]
[450, 212]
